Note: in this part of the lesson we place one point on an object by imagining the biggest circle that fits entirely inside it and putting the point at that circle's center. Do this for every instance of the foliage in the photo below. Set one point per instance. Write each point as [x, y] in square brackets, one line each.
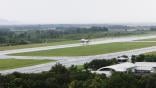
[62, 77]
[142, 58]
[96, 64]
[10, 37]
[122, 80]
[29, 34]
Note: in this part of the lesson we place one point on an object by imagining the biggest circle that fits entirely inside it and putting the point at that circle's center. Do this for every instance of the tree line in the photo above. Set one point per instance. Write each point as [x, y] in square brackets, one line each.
[17, 37]
[143, 58]
[62, 77]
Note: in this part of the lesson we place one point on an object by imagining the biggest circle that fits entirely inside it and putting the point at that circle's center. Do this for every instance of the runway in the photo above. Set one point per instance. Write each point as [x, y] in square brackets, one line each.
[93, 42]
[68, 61]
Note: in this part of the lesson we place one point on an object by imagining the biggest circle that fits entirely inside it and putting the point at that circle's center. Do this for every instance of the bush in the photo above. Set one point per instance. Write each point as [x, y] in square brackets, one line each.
[96, 64]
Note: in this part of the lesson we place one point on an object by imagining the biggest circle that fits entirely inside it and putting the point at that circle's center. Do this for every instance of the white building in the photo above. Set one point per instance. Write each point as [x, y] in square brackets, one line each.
[145, 67]
[138, 67]
[108, 70]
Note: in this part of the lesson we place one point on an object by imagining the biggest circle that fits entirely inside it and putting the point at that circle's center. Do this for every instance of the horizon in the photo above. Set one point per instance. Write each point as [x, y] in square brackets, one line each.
[123, 23]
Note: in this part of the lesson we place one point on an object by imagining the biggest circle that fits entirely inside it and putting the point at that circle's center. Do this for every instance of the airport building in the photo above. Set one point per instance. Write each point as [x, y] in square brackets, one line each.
[138, 68]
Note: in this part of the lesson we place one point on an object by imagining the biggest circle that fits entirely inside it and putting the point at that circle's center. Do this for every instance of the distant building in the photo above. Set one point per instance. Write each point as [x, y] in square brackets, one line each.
[145, 67]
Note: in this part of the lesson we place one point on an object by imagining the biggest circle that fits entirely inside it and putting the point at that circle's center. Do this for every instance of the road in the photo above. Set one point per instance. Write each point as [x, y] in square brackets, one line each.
[68, 61]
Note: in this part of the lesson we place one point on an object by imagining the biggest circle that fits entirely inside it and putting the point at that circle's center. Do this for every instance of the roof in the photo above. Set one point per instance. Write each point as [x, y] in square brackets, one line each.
[145, 65]
[151, 64]
[121, 67]
[127, 65]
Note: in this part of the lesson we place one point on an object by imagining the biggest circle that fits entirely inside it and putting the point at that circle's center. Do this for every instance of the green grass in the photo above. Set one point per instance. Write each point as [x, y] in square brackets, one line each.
[16, 63]
[90, 50]
[37, 45]
[152, 39]
[151, 53]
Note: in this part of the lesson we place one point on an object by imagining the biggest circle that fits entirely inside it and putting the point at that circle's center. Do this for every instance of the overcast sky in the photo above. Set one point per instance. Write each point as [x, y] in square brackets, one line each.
[78, 11]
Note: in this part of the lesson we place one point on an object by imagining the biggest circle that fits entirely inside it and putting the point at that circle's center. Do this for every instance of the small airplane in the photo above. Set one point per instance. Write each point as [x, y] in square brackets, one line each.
[84, 41]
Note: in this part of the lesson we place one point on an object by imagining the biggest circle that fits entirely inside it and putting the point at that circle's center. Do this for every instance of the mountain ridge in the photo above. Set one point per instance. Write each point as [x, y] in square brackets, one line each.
[8, 22]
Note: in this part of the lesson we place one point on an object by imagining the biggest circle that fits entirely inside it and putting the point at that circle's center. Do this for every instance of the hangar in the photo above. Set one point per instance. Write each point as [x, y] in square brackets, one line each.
[138, 68]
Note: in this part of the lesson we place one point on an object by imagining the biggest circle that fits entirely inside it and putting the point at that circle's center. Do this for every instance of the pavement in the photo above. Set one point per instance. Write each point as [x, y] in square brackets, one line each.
[76, 60]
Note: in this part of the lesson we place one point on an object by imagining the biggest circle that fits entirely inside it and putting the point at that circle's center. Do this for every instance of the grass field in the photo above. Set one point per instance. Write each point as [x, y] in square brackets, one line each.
[36, 45]
[151, 53]
[90, 50]
[152, 39]
[16, 63]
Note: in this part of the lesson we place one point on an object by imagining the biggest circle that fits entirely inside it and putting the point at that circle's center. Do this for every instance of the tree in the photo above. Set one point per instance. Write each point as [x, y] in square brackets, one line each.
[76, 84]
[96, 64]
[140, 58]
[122, 80]
[148, 81]
[59, 69]
[133, 59]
